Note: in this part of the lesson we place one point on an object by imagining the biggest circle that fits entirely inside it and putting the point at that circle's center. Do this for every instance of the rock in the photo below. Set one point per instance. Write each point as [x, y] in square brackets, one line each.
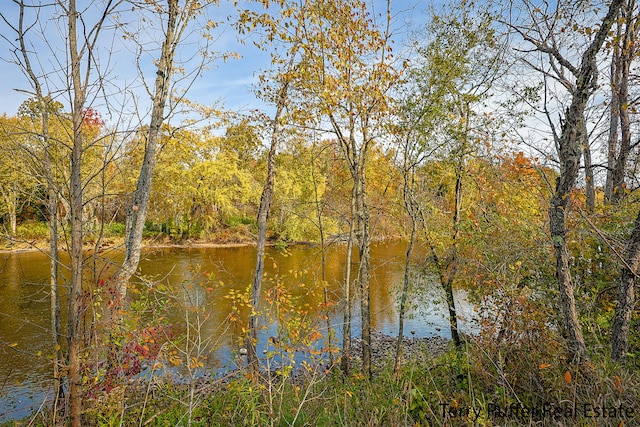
[414, 350]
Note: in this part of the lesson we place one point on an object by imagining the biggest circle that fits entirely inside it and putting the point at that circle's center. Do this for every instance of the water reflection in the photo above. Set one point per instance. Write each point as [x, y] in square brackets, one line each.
[201, 278]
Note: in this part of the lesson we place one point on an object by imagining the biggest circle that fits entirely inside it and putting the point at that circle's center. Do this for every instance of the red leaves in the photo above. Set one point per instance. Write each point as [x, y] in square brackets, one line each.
[92, 118]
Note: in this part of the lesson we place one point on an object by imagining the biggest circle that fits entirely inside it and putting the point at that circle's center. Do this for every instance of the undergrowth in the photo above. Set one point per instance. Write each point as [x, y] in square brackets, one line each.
[463, 387]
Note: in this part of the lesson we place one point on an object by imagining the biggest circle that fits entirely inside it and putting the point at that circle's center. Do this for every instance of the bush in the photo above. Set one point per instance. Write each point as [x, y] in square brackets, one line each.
[33, 230]
[114, 229]
[235, 220]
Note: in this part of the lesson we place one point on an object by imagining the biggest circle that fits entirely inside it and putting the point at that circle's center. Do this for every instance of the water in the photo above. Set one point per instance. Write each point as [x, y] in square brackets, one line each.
[201, 278]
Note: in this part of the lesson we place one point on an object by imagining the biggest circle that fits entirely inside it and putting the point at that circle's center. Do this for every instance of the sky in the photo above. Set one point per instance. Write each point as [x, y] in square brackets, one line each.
[227, 81]
[224, 83]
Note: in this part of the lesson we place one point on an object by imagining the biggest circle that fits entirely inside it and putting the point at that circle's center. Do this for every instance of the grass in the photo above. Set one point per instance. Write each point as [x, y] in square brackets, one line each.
[466, 387]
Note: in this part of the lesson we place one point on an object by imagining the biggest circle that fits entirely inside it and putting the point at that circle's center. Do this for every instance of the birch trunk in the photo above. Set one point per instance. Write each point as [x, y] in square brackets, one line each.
[263, 216]
[364, 271]
[345, 361]
[138, 209]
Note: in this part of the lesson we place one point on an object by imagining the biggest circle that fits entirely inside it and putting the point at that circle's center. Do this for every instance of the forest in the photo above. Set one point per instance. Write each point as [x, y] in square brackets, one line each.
[494, 140]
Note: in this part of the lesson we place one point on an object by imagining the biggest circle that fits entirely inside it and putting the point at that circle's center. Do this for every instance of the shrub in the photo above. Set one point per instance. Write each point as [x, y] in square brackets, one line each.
[33, 230]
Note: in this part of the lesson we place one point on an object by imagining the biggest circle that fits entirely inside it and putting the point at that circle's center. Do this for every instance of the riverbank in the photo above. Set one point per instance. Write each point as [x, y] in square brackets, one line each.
[9, 246]
[436, 385]
[113, 239]
[414, 350]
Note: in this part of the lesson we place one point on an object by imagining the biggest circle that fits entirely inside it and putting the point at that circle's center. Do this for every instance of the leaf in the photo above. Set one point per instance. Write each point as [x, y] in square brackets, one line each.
[544, 365]
[567, 377]
[13, 344]
[617, 381]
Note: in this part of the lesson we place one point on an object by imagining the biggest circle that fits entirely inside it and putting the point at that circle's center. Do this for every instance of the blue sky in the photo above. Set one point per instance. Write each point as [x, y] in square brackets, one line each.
[227, 83]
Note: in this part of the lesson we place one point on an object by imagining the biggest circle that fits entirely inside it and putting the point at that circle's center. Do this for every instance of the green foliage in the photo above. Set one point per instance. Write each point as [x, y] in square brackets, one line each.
[114, 229]
[236, 220]
[33, 231]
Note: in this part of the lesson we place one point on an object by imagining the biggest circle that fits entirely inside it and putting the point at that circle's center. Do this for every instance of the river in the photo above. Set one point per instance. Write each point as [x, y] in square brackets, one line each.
[202, 277]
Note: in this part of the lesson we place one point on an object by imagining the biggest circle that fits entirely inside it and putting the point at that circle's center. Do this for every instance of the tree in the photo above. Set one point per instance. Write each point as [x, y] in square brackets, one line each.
[347, 75]
[410, 163]
[626, 295]
[570, 140]
[15, 184]
[623, 54]
[77, 65]
[453, 75]
[199, 182]
[275, 89]
[178, 18]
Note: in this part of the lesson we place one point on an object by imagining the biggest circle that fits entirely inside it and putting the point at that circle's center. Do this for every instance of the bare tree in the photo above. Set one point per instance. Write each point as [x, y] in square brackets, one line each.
[78, 68]
[619, 143]
[177, 17]
[541, 35]
[43, 100]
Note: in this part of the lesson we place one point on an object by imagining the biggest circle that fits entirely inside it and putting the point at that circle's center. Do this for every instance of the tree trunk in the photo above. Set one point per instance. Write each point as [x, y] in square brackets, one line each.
[569, 160]
[76, 205]
[624, 53]
[569, 157]
[410, 208]
[13, 222]
[54, 259]
[137, 211]
[626, 296]
[620, 164]
[590, 190]
[452, 267]
[345, 361]
[52, 210]
[263, 216]
[364, 271]
[614, 119]
[323, 261]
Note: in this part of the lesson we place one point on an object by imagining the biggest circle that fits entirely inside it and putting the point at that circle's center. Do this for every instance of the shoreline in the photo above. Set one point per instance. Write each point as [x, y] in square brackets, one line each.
[118, 244]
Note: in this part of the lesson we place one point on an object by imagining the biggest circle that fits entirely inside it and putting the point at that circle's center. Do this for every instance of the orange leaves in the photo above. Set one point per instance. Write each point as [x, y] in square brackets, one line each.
[567, 377]
[519, 163]
[315, 335]
[174, 359]
[617, 382]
